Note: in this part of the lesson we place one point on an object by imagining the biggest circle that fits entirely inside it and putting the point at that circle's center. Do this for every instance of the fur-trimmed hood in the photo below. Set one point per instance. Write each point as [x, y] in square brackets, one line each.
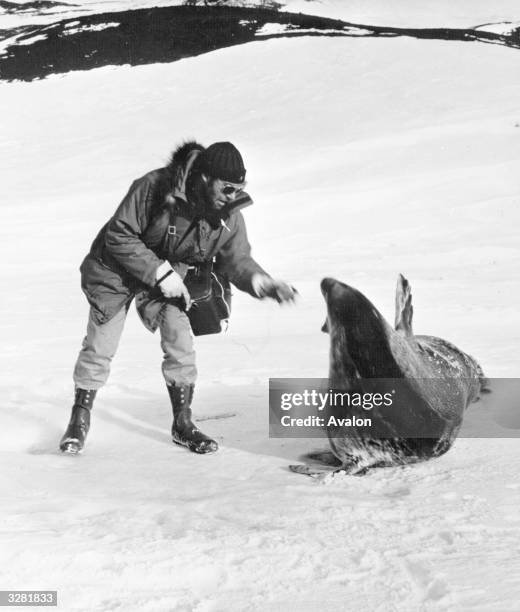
[171, 180]
[180, 155]
[181, 161]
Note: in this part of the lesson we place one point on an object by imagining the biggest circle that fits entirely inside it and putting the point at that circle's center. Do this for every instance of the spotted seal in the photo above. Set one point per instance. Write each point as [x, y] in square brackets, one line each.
[435, 380]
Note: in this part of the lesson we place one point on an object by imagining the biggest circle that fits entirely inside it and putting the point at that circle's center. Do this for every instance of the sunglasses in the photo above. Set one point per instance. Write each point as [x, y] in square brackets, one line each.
[229, 189]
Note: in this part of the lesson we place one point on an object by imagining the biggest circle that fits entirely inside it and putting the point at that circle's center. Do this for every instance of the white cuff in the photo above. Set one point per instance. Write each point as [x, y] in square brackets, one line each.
[162, 270]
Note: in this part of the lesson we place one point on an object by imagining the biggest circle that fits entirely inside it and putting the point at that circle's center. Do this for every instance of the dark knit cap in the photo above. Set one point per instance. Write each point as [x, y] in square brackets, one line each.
[223, 160]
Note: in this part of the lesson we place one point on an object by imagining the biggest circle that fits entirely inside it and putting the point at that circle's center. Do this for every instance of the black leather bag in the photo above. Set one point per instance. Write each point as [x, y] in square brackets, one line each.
[210, 293]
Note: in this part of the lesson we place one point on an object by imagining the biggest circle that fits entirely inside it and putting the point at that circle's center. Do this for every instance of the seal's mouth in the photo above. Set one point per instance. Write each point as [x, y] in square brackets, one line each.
[325, 285]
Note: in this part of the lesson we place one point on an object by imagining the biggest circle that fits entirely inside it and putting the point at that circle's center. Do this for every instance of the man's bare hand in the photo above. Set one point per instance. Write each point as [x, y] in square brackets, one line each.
[278, 290]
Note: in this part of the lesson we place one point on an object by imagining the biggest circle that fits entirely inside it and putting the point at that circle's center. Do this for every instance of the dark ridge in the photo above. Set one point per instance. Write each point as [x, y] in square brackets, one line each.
[168, 34]
[12, 32]
[37, 5]
[262, 4]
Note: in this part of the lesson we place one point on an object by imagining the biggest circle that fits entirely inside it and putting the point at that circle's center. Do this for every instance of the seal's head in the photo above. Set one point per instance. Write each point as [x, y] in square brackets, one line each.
[359, 335]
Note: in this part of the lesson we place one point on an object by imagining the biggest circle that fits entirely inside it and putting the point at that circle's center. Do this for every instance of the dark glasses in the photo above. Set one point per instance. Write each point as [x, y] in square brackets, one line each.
[228, 189]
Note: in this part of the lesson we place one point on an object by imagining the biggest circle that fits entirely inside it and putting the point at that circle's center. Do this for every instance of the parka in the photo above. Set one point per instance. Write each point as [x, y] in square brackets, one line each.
[156, 222]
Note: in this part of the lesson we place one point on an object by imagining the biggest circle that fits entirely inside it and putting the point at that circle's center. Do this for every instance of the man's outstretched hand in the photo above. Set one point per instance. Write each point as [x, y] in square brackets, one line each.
[278, 290]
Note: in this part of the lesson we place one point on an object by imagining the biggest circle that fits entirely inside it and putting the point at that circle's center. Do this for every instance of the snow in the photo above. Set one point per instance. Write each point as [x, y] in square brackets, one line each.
[270, 29]
[405, 13]
[366, 158]
[31, 40]
[90, 28]
[398, 13]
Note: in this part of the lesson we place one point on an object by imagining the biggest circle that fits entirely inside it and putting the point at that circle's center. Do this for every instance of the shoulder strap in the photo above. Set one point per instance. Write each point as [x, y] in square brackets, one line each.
[190, 228]
[159, 223]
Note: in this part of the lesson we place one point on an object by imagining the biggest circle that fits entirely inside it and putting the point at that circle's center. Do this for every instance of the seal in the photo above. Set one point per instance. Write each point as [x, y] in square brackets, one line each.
[433, 382]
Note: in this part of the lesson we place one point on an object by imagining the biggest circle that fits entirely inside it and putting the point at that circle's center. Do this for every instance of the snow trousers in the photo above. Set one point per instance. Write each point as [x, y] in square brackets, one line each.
[100, 345]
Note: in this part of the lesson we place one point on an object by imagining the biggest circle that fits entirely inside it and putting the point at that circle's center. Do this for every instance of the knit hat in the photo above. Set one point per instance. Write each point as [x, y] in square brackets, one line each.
[222, 160]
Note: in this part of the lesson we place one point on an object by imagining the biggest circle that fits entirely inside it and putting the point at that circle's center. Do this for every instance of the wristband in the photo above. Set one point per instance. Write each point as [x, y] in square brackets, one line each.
[171, 271]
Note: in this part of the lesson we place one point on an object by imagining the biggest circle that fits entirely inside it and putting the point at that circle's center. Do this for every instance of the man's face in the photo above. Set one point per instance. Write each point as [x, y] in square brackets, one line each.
[221, 193]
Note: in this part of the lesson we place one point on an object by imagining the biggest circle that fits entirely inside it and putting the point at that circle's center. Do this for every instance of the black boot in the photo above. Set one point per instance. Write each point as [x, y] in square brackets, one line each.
[184, 432]
[73, 439]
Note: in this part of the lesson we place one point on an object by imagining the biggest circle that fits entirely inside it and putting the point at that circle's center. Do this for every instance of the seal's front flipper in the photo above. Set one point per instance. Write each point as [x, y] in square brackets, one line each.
[307, 470]
[325, 476]
[324, 457]
[403, 307]
[350, 467]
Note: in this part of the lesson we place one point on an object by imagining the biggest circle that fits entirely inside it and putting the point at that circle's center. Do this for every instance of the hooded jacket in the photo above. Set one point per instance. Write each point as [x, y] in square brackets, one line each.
[156, 222]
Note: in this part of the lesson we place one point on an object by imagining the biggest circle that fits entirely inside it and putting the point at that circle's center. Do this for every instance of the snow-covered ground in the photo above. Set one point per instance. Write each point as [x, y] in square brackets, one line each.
[366, 157]
[398, 13]
[405, 13]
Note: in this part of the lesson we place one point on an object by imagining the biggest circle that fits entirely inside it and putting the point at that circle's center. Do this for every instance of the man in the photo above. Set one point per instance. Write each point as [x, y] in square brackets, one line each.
[174, 218]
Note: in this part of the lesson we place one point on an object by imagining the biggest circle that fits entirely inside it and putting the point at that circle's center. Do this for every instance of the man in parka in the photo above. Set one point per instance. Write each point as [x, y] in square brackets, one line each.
[182, 215]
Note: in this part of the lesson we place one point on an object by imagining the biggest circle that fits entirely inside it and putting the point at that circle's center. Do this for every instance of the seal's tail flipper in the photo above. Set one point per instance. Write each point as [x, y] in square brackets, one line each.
[485, 384]
[403, 307]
